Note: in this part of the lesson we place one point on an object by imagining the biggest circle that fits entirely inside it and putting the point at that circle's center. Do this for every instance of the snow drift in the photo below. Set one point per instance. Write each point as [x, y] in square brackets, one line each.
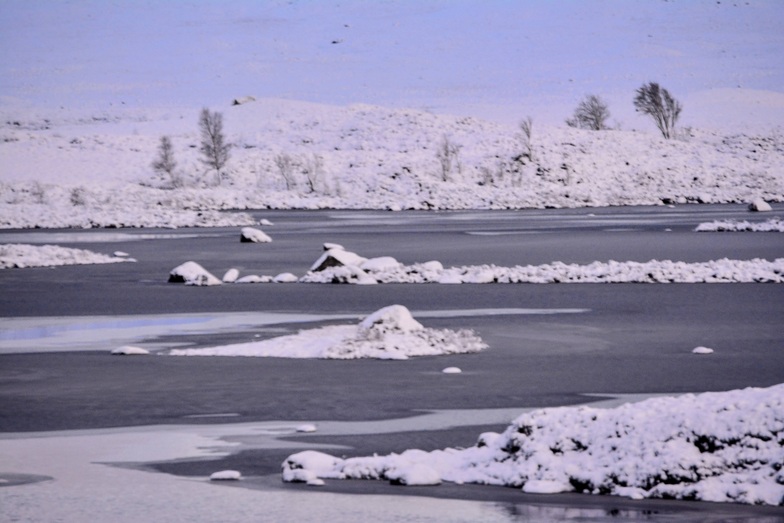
[725, 447]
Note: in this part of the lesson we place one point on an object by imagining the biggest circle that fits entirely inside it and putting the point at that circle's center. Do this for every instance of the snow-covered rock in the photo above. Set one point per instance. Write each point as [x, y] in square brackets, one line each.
[760, 205]
[129, 350]
[337, 257]
[389, 333]
[452, 370]
[191, 273]
[226, 475]
[254, 278]
[394, 318]
[231, 276]
[721, 447]
[285, 277]
[306, 428]
[253, 235]
[702, 350]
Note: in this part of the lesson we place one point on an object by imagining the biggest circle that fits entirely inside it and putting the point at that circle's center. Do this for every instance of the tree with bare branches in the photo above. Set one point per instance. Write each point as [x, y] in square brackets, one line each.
[213, 142]
[165, 164]
[659, 104]
[591, 113]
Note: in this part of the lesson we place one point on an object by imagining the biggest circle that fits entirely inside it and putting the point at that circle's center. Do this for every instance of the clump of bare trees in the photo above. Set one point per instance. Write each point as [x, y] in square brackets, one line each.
[448, 154]
[659, 104]
[591, 113]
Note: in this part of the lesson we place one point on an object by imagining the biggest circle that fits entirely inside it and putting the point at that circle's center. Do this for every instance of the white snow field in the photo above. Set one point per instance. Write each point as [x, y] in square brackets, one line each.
[14, 255]
[390, 333]
[722, 446]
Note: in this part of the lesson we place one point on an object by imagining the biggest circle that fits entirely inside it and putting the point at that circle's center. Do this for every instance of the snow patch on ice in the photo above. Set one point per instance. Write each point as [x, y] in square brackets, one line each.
[15, 255]
[702, 350]
[771, 225]
[226, 475]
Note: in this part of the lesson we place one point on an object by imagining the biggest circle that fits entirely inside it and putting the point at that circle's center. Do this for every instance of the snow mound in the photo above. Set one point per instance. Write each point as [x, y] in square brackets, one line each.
[191, 273]
[231, 276]
[306, 428]
[16, 255]
[772, 225]
[702, 350]
[760, 205]
[452, 370]
[721, 447]
[226, 475]
[337, 257]
[252, 235]
[129, 350]
[390, 333]
[285, 277]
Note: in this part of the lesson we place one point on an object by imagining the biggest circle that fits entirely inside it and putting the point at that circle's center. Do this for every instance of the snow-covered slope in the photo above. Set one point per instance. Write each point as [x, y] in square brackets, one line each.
[98, 173]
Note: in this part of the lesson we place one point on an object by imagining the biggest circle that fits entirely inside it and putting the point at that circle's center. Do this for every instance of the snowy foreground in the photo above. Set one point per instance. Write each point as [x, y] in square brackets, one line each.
[338, 265]
[20, 256]
[725, 447]
[390, 333]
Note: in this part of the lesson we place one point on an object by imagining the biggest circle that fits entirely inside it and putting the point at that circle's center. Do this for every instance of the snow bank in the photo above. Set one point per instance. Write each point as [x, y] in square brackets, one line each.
[352, 268]
[771, 225]
[725, 447]
[390, 333]
[15, 255]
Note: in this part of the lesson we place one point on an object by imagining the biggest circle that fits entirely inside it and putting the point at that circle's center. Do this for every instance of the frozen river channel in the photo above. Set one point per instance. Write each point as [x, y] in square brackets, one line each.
[69, 409]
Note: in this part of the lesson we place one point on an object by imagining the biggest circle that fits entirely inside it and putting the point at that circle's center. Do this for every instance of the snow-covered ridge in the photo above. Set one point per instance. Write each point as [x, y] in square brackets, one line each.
[96, 173]
[723, 447]
[16, 255]
[771, 225]
[390, 333]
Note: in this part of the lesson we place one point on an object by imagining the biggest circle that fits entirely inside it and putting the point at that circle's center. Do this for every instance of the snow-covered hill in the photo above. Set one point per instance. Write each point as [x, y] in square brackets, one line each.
[96, 171]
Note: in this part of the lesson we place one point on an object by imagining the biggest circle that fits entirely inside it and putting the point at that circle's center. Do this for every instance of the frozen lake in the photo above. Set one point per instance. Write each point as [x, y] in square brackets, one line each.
[549, 344]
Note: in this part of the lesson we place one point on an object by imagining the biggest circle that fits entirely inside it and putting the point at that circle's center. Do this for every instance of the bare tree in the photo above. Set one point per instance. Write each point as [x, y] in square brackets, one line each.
[591, 113]
[448, 154]
[285, 165]
[314, 172]
[526, 127]
[659, 104]
[213, 142]
[165, 163]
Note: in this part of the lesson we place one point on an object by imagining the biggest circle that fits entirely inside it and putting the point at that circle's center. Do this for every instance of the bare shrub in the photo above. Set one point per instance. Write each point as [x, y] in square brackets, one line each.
[591, 113]
[165, 164]
[448, 155]
[659, 104]
[77, 196]
[213, 142]
[285, 164]
[526, 129]
[314, 172]
[38, 192]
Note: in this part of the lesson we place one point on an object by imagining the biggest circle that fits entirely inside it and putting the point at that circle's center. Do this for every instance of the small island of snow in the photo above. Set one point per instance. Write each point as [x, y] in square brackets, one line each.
[390, 333]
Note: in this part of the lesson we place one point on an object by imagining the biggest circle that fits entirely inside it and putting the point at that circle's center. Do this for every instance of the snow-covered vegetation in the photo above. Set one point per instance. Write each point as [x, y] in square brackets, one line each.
[16, 255]
[390, 333]
[722, 446]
